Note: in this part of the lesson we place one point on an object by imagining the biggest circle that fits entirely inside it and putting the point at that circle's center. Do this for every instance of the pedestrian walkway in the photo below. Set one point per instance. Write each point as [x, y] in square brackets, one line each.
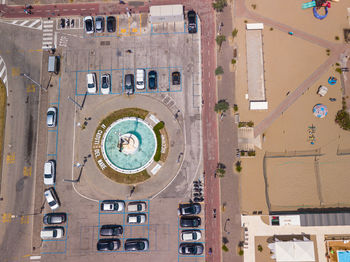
[3, 71]
[48, 36]
[27, 23]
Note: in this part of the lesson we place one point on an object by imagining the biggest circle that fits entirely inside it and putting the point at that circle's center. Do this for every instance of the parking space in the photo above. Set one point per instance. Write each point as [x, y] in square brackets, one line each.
[129, 25]
[168, 28]
[65, 23]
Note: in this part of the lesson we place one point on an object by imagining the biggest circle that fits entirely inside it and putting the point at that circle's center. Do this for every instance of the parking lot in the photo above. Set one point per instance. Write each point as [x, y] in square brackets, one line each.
[164, 48]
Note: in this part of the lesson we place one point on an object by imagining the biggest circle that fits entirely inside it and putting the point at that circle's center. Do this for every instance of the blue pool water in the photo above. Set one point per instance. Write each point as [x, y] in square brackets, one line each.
[343, 256]
[143, 155]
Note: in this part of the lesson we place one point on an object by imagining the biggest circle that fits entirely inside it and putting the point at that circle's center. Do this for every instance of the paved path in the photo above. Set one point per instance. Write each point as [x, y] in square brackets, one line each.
[336, 50]
[255, 227]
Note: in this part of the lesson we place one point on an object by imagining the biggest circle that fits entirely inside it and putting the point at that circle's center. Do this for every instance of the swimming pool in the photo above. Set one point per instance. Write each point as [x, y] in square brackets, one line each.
[343, 256]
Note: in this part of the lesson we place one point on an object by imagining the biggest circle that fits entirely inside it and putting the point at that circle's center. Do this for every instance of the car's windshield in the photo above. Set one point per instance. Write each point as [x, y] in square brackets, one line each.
[52, 203]
[91, 85]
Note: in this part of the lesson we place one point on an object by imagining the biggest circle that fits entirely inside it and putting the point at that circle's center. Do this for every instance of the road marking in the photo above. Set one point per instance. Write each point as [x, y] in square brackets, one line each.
[24, 219]
[34, 23]
[6, 217]
[23, 23]
[10, 159]
[14, 22]
[48, 35]
[2, 71]
[35, 257]
[27, 23]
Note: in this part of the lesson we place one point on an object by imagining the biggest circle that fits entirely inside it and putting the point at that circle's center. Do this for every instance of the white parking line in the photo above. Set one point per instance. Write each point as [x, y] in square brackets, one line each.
[47, 30]
[47, 34]
[47, 38]
[48, 26]
[34, 23]
[14, 22]
[2, 71]
[23, 23]
[48, 21]
[5, 79]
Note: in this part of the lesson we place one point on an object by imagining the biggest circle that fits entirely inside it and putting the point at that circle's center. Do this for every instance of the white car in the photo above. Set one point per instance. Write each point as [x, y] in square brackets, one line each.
[105, 84]
[137, 207]
[191, 235]
[140, 79]
[91, 83]
[112, 205]
[51, 198]
[136, 218]
[52, 232]
[49, 173]
[89, 24]
[51, 117]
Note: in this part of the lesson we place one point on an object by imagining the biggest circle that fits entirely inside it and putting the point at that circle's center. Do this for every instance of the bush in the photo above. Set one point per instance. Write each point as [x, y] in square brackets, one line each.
[233, 61]
[235, 107]
[156, 130]
[242, 153]
[241, 252]
[238, 166]
[271, 28]
[241, 124]
[221, 106]
[234, 32]
[219, 70]
[250, 124]
[336, 38]
[254, 6]
[343, 119]
[220, 39]
[338, 70]
[260, 248]
[251, 153]
[224, 248]
[221, 172]
[219, 5]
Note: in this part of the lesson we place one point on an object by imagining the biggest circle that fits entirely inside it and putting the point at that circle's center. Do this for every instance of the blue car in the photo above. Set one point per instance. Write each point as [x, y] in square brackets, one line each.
[152, 80]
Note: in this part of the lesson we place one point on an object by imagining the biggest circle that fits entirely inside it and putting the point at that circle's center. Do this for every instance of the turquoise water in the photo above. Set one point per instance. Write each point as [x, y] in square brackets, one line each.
[145, 152]
[343, 256]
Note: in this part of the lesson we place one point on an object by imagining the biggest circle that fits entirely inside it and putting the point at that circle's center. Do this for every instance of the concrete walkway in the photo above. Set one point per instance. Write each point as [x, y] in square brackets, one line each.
[256, 227]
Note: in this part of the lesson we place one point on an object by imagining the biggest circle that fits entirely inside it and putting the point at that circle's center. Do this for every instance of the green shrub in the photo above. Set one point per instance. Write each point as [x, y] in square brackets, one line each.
[336, 38]
[224, 248]
[156, 130]
[343, 119]
[241, 124]
[250, 123]
[260, 248]
[219, 71]
[233, 61]
[241, 252]
[251, 153]
[219, 5]
[242, 153]
[234, 32]
[338, 70]
[235, 107]
[220, 39]
[221, 106]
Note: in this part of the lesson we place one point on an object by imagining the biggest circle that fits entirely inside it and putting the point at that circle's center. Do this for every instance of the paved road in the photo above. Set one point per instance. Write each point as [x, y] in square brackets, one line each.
[18, 173]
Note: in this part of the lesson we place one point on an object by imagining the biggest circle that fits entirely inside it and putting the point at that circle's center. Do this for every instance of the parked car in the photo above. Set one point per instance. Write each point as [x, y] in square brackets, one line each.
[49, 173]
[191, 248]
[192, 22]
[111, 230]
[89, 24]
[62, 23]
[152, 79]
[52, 232]
[190, 221]
[91, 83]
[112, 205]
[105, 84]
[129, 84]
[136, 218]
[111, 24]
[140, 79]
[51, 198]
[189, 209]
[54, 218]
[99, 24]
[136, 244]
[176, 78]
[137, 207]
[108, 244]
[51, 117]
[191, 235]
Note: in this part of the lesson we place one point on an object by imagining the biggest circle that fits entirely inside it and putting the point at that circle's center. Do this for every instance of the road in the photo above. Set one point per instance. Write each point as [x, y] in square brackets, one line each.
[20, 138]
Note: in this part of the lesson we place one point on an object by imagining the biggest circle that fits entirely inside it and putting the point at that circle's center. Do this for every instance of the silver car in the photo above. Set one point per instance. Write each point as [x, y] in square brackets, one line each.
[51, 117]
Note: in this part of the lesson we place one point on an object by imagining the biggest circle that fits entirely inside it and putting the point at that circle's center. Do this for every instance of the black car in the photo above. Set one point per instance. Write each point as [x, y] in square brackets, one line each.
[152, 79]
[54, 218]
[108, 244]
[63, 23]
[192, 22]
[176, 78]
[191, 249]
[111, 230]
[129, 84]
[190, 221]
[111, 24]
[136, 244]
[189, 209]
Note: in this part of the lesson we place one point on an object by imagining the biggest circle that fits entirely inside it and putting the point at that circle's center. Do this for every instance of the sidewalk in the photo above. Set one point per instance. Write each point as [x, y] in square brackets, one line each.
[231, 222]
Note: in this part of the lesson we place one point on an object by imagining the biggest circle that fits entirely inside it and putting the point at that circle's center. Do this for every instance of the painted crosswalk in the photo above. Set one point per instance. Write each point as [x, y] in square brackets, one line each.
[48, 36]
[28, 23]
[3, 71]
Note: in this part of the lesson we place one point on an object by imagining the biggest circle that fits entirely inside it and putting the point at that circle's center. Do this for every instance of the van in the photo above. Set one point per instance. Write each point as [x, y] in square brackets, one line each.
[140, 79]
[54, 64]
[52, 232]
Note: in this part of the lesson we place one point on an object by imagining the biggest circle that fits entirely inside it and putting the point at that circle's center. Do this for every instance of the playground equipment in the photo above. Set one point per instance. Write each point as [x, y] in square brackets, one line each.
[332, 80]
[317, 4]
[320, 110]
[322, 90]
[311, 134]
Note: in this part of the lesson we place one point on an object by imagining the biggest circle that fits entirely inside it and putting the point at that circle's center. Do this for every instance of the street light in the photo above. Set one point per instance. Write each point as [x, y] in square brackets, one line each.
[35, 82]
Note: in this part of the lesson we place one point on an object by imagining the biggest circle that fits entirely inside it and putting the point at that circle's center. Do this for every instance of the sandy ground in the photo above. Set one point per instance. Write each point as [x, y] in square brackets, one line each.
[288, 61]
[291, 14]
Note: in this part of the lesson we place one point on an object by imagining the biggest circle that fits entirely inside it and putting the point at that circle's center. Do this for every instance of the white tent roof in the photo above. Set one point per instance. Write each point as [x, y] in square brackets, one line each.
[296, 251]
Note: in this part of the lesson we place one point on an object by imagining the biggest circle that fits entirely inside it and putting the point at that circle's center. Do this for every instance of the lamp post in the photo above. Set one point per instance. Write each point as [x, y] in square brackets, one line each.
[31, 79]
